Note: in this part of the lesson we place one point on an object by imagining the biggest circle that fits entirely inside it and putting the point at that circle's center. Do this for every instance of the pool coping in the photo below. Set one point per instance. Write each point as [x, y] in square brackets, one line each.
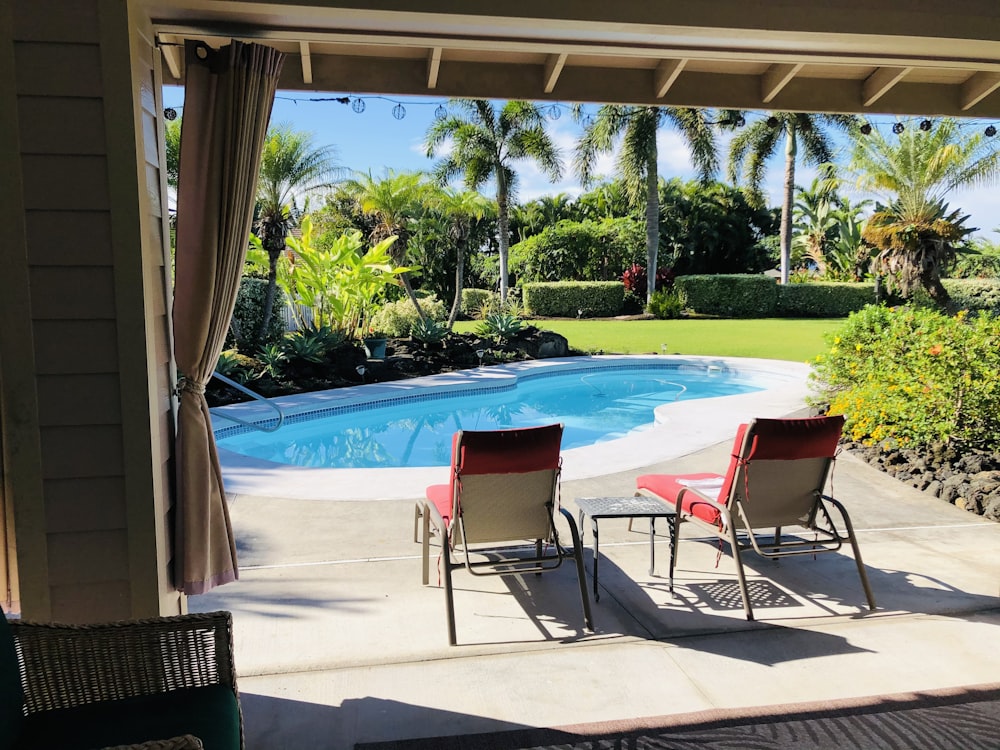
[705, 422]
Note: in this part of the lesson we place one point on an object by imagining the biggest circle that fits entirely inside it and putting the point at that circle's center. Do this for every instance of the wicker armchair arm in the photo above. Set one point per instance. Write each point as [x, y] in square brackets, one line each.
[184, 742]
[70, 665]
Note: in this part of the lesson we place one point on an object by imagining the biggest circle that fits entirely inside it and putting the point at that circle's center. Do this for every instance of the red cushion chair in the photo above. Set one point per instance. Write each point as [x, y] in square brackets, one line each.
[777, 472]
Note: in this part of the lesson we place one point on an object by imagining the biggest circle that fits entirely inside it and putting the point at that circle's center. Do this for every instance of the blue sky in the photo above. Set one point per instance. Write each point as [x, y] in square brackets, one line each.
[375, 139]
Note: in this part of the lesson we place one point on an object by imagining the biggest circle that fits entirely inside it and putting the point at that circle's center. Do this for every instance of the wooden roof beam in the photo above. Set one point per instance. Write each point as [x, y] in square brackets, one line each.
[879, 83]
[306, 57]
[776, 78]
[433, 67]
[665, 75]
[553, 67]
[977, 88]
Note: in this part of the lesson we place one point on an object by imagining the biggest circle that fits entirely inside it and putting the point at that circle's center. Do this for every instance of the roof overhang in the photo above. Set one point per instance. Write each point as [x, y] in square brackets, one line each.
[907, 57]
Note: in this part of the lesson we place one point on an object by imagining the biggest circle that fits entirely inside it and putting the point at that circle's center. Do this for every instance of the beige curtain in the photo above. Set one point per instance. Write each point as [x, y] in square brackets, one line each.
[227, 104]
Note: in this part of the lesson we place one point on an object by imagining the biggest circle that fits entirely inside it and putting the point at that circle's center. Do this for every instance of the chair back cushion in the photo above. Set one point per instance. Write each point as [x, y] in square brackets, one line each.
[11, 694]
[780, 468]
[505, 482]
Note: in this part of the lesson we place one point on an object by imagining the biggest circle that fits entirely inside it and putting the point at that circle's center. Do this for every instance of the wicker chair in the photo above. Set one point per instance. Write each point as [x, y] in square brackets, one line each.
[160, 684]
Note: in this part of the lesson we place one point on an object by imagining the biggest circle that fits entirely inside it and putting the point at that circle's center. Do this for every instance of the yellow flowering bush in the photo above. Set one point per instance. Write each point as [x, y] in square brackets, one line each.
[914, 377]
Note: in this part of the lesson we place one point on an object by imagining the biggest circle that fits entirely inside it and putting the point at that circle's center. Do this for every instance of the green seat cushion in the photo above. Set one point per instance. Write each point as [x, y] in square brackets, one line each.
[211, 714]
[11, 697]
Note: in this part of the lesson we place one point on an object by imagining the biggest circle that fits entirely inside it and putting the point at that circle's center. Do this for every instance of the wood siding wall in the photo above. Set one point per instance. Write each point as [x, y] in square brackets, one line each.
[86, 95]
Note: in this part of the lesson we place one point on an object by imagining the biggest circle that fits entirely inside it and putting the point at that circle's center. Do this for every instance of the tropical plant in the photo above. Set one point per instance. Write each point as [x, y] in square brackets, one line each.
[392, 201]
[429, 331]
[499, 326]
[915, 231]
[485, 144]
[637, 161]
[341, 285]
[172, 145]
[750, 150]
[461, 209]
[827, 230]
[291, 166]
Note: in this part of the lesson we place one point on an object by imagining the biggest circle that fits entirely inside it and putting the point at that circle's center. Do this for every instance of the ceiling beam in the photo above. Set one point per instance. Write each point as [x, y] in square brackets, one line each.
[553, 67]
[172, 57]
[879, 83]
[306, 57]
[665, 75]
[776, 78]
[433, 67]
[977, 88]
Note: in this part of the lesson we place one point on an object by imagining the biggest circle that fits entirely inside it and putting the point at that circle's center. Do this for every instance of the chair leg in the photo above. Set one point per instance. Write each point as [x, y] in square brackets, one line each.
[449, 593]
[426, 546]
[574, 533]
[418, 508]
[862, 573]
[740, 574]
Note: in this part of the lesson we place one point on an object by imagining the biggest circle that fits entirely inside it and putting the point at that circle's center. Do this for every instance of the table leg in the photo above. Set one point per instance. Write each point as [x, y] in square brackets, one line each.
[652, 548]
[593, 529]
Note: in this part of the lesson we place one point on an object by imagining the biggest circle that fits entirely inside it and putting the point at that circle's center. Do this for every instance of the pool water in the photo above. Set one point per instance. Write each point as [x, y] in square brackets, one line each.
[593, 406]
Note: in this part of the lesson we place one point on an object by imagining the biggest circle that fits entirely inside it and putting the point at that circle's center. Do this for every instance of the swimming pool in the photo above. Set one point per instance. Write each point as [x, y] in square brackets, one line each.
[594, 403]
[669, 425]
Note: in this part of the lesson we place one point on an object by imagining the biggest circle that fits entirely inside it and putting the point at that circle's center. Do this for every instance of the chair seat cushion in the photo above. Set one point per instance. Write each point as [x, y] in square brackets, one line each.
[211, 714]
[440, 496]
[669, 486]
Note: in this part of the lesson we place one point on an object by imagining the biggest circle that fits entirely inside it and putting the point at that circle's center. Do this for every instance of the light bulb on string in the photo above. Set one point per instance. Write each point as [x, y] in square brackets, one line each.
[399, 111]
[440, 112]
[925, 125]
[554, 112]
[898, 128]
[170, 113]
[358, 105]
[866, 129]
[990, 131]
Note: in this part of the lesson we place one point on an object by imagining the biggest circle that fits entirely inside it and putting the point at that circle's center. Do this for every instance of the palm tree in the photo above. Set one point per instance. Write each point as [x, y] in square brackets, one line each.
[291, 165]
[637, 159]
[392, 202]
[485, 144]
[915, 230]
[460, 209]
[750, 150]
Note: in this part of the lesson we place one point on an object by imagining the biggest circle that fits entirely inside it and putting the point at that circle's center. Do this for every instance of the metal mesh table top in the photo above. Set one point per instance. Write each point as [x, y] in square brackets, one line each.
[612, 507]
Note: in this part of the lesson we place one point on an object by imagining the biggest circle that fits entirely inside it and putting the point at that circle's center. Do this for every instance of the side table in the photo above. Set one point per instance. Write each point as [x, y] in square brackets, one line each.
[638, 506]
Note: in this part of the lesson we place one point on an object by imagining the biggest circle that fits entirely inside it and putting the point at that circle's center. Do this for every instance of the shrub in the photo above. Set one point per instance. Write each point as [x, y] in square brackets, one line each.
[474, 300]
[398, 318]
[579, 251]
[499, 326]
[244, 327]
[665, 305]
[729, 295]
[429, 331]
[635, 279]
[915, 377]
[974, 294]
[571, 299]
[823, 299]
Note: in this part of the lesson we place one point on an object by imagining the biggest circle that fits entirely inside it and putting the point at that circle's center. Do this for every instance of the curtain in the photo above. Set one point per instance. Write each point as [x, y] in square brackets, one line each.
[227, 103]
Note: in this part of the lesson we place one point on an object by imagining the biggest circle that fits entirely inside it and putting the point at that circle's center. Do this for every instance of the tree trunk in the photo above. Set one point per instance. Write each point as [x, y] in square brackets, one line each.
[652, 221]
[456, 306]
[272, 289]
[786, 202]
[405, 278]
[504, 231]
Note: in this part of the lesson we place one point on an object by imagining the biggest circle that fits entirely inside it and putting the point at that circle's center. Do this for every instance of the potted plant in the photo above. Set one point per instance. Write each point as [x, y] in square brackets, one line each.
[374, 342]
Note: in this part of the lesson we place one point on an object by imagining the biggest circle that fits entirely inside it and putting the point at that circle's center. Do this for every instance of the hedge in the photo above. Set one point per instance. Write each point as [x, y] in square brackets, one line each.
[974, 294]
[823, 299]
[729, 295]
[571, 299]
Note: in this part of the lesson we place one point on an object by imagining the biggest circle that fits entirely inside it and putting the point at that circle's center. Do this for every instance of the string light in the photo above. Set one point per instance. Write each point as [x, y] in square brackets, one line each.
[925, 125]
[990, 131]
[898, 128]
[399, 111]
[866, 129]
[170, 113]
[358, 105]
[441, 112]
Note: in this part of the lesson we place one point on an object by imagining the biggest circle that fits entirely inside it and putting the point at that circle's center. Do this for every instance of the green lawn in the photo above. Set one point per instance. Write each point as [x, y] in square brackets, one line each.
[771, 338]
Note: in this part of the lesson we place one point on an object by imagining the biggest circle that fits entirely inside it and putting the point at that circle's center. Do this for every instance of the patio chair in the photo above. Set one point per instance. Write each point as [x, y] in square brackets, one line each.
[504, 489]
[160, 684]
[776, 477]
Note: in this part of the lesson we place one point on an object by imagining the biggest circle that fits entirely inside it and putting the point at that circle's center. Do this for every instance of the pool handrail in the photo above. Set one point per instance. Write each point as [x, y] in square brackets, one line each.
[246, 423]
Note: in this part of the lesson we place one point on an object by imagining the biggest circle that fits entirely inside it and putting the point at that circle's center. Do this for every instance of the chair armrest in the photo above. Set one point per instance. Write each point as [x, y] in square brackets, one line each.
[184, 742]
[71, 665]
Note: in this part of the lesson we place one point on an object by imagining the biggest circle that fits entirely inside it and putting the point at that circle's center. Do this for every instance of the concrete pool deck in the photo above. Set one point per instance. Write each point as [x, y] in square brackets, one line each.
[704, 421]
[337, 642]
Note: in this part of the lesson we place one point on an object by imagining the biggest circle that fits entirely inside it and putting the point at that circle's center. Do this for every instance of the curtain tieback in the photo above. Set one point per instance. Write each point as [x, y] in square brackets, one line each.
[185, 385]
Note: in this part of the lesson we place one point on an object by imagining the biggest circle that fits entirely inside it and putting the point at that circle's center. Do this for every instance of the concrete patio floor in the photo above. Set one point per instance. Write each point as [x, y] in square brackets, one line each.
[337, 642]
